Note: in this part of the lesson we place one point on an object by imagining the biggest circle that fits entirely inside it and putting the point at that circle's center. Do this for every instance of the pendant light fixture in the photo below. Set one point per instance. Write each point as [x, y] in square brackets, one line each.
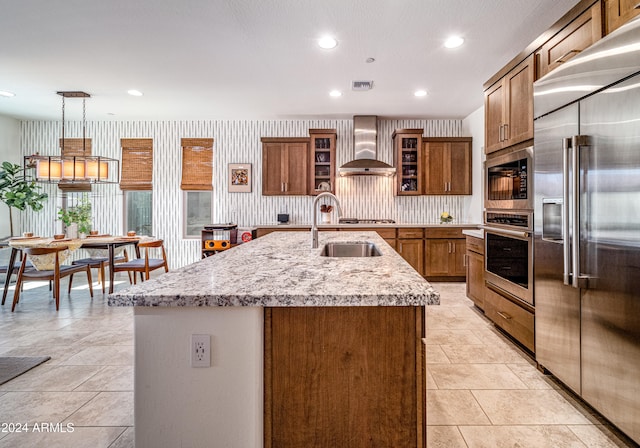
[76, 166]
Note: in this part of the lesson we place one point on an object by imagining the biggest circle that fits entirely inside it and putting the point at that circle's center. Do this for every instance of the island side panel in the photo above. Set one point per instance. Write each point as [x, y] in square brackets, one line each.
[178, 405]
[344, 376]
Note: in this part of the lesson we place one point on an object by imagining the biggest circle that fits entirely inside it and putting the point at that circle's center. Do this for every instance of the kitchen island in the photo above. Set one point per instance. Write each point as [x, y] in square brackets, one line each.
[306, 350]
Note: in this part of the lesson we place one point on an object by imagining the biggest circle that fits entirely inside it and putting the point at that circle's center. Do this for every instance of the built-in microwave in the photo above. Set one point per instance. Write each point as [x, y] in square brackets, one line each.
[508, 181]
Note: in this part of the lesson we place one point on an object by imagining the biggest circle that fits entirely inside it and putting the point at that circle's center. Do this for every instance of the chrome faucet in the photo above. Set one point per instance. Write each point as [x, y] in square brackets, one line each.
[314, 225]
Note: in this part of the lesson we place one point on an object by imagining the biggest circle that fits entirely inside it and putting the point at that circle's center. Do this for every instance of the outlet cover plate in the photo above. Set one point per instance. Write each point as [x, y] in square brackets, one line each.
[200, 350]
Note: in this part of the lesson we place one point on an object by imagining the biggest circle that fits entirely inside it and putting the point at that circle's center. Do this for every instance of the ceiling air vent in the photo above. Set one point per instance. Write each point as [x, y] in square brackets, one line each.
[362, 85]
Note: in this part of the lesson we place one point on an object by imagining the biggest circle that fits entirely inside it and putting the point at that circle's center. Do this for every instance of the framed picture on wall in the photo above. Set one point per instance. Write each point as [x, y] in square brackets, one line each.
[239, 178]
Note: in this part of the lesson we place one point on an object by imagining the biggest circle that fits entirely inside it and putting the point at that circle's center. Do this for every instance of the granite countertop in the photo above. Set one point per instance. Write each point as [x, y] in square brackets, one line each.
[477, 233]
[364, 225]
[281, 269]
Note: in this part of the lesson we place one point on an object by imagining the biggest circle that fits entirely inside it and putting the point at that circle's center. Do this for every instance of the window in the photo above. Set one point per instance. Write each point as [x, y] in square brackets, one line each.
[136, 183]
[138, 214]
[197, 212]
[197, 174]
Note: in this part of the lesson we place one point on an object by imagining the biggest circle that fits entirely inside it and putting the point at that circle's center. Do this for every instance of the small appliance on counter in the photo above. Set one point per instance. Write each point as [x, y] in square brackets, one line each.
[217, 237]
[283, 218]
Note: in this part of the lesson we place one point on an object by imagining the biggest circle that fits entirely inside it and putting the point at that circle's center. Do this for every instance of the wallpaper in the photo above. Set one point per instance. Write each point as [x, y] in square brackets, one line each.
[235, 141]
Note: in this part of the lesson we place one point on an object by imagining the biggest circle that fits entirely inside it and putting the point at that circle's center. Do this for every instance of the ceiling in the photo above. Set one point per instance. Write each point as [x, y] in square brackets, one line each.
[258, 59]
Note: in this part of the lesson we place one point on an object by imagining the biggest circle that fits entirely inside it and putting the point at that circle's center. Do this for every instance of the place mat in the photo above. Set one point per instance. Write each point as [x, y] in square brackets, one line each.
[11, 367]
[21, 238]
[128, 238]
[98, 236]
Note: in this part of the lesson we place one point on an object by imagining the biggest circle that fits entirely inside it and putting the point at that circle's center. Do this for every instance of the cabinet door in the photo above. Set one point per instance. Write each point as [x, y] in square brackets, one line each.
[413, 252]
[575, 37]
[438, 251]
[475, 278]
[458, 167]
[493, 117]
[436, 179]
[408, 160]
[273, 155]
[618, 12]
[519, 103]
[296, 166]
[457, 266]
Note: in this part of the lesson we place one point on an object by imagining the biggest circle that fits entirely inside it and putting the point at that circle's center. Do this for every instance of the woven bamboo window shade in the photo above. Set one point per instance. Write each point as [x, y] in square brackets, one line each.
[197, 164]
[137, 164]
[75, 147]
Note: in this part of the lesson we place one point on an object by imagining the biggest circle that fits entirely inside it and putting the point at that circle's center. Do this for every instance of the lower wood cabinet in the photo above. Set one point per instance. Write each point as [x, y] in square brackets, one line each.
[344, 377]
[511, 317]
[445, 250]
[410, 245]
[475, 270]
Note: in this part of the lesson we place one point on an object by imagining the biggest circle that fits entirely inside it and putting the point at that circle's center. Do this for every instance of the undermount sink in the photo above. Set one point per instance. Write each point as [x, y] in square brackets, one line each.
[359, 249]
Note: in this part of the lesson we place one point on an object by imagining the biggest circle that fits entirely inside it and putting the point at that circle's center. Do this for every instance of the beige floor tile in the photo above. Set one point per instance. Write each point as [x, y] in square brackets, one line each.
[528, 407]
[475, 376]
[454, 407]
[431, 384]
[57, 337]
[451, 337]
[102, 337]
[94, 437]
[435, 355]
[599, 436]
[58, 353]
[52, 407]
[532, 377]
[554, 436]
[485, 353]
[106, 409]
[106, 355]
[126, 440]
[54, 378]
[444, 437]
[110, 378]
[440, 322]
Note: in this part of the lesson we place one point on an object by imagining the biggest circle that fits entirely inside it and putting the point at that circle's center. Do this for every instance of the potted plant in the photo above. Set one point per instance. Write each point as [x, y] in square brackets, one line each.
[77, 218]
[19, 190]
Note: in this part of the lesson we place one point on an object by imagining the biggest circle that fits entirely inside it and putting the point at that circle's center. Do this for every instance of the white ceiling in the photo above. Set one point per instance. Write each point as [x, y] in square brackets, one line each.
[232, 59]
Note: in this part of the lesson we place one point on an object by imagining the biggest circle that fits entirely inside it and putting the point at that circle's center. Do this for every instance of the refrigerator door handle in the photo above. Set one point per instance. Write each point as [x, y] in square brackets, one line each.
[577, 281]
[566, 254]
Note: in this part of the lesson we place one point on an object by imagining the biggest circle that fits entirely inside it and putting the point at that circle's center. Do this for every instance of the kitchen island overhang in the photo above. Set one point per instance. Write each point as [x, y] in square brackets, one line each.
[228, 297]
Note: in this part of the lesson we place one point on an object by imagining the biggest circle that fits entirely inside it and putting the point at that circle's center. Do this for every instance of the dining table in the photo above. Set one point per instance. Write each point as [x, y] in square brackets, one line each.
[103, 242]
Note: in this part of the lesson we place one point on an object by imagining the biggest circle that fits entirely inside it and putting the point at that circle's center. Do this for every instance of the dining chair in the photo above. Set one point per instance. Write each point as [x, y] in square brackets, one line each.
[59, 271]
[145, 264]
[4, 269]
[100, 263]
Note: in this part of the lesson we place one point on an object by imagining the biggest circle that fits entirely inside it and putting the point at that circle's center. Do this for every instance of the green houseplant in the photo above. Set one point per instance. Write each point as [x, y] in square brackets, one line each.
[19, 190]
[79, 214]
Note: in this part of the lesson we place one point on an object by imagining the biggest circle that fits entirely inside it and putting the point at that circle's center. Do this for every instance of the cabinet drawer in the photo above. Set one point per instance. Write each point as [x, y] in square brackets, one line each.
[410, 233]
[444, 232]
[509, 316]
[475, 244]
[386, 233]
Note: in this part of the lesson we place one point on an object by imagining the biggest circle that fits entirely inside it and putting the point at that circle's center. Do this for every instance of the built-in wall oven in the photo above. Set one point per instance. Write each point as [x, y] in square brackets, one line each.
[509, 253]
[508, 183]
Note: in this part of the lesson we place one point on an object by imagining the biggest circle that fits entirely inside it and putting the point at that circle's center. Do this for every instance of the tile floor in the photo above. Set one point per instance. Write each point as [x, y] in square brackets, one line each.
[482, 391]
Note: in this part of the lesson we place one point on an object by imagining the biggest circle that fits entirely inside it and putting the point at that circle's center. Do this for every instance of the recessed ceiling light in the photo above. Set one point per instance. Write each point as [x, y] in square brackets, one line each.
[7, 94]
[327, 42]
[134, 92]
[420, 93]
[335, 93]
[370, 60]
[454, 42]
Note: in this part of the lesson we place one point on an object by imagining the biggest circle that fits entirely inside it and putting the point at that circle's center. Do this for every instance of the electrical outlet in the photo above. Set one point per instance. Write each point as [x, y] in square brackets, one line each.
[200, 350]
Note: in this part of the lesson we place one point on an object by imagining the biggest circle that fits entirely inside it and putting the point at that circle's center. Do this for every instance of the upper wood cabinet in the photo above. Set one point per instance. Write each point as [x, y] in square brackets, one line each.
[408, 161]
[618, 12]
[285, 166]
[323, 160]
[575, 37]
[509, 108]
[447, 165]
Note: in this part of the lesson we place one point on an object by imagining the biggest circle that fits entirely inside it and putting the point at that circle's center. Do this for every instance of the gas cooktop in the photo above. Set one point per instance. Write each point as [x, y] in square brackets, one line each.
[365, 221]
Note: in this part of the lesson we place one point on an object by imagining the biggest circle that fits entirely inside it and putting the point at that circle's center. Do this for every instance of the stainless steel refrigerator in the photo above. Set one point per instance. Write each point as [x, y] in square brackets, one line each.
[587, 225]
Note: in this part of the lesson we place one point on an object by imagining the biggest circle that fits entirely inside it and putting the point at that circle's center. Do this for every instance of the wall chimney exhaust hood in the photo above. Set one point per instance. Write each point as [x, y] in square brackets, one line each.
[365, 145]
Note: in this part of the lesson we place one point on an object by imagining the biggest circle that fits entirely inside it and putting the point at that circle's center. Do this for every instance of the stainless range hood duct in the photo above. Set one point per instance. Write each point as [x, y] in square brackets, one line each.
[365, 144]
